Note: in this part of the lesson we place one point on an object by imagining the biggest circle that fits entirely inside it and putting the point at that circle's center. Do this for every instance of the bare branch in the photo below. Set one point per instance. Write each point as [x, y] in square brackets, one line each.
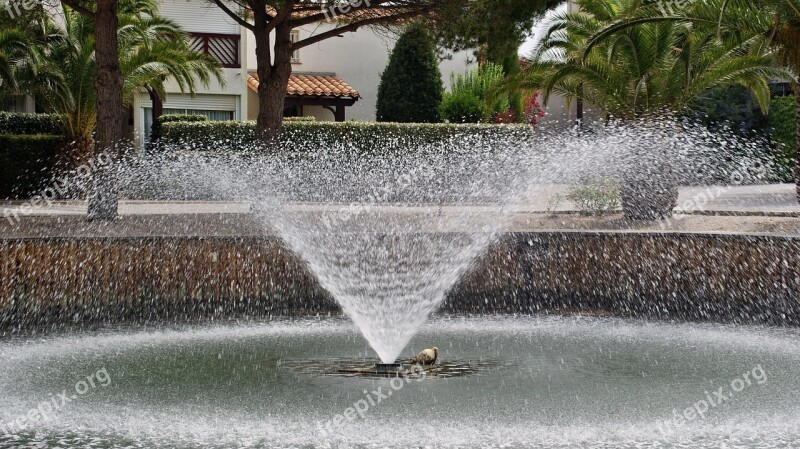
[76, 6]
[233, 15]
[282, 15]
[350, 27]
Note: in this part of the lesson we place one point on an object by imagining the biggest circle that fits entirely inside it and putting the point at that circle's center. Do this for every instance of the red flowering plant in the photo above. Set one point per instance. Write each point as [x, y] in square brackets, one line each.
[533, 109]
[507, 116]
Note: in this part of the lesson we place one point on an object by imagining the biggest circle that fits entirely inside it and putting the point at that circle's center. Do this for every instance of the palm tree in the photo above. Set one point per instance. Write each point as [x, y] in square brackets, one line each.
[653, 68]
[646, 69]
[15, 53]
[153, 50]
[773, 23]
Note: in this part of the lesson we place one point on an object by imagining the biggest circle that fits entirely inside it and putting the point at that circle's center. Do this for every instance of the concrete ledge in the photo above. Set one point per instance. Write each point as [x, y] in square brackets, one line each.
[71, 279]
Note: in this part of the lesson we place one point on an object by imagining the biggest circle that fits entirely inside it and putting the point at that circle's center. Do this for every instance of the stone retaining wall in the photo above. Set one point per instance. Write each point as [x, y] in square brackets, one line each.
[64, 281]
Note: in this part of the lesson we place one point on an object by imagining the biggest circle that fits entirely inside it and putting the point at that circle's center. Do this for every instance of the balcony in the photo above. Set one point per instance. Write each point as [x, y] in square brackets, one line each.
[223, 47]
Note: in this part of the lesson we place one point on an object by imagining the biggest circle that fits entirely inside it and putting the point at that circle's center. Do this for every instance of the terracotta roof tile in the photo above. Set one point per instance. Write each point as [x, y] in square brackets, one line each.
[314, 85]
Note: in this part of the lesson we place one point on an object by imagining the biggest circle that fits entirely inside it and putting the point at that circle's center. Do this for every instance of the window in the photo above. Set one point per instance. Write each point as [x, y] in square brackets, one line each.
[295, 53]
[223, 47]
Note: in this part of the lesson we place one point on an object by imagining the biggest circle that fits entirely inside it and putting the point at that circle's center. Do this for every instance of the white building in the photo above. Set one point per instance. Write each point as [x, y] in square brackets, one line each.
[344, 71]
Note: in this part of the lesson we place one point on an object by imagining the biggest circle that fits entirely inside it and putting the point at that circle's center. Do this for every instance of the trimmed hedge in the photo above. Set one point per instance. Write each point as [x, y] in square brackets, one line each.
[302, 136]
[305, 118]
[27, 163]
[21, 123]
[171, 118]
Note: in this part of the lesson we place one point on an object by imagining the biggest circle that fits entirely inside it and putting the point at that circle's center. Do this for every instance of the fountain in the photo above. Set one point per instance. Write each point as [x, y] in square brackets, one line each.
[389, 237]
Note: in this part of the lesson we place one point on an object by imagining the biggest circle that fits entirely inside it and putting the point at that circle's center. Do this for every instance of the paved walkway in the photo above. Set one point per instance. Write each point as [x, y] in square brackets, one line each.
[774, 199]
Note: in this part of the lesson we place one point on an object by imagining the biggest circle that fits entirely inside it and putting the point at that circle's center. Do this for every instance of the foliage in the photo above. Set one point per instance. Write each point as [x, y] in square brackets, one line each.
[783, 130]
[496, 28]
[477, 84]
[478, 81]
[553, 202]
[645, 68]
[411, 89]
[26, 162]
[306, 118]
[533, 110]
[170, 118]
[14, 49]
[768, 28]
[368, 137]
[731, 107]
[21, 123]
[599, 197]
[152, 51]
[461, 107]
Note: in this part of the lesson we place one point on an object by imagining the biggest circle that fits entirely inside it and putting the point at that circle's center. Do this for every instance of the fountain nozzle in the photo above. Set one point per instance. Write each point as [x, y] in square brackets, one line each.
[388, 368]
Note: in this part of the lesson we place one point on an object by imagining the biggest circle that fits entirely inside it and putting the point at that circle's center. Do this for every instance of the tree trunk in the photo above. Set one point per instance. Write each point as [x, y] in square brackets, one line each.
[110, 111]
[273, 77]
[797, 137]
[158, 111]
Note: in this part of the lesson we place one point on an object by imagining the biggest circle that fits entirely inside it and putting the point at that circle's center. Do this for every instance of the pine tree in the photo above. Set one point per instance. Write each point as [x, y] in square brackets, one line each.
[411, 86]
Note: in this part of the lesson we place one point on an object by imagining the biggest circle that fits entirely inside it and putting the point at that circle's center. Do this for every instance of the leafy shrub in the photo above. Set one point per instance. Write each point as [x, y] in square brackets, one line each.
[26, 163]
[21, 123]
[171, 118]
[731, 107]
[783, 131]
[461, 107]
[306, 118]
[480, 83]
[597, 198]
[411, 86]
[364, 137]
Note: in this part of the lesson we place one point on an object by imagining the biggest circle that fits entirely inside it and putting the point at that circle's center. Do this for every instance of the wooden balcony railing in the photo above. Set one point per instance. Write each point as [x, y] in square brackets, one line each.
[223, 47]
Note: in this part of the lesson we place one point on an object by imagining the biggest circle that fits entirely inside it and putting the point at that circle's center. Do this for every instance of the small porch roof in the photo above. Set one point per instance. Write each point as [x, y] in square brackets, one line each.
[316, 89]
[316, 85]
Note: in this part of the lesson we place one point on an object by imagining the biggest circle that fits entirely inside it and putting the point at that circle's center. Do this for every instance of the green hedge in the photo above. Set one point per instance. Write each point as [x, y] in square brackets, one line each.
[26, 163]
[305, 118]
[300, 136]
[461, 107]
[170, 118]
[20, 123]
[783, 130]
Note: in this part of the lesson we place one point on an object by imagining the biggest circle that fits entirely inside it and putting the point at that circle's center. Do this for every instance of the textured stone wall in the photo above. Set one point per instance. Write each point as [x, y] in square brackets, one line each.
[67, 281]
[667, 276]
